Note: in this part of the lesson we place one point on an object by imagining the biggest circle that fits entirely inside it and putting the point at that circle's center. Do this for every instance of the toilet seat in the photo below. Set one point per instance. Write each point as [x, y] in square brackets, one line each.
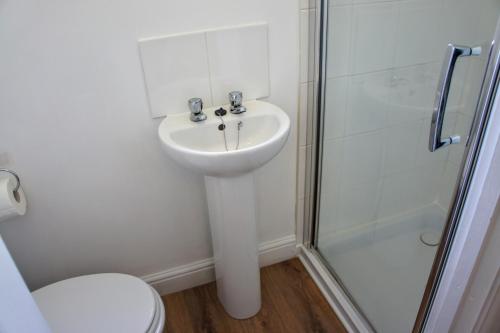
[108, 302]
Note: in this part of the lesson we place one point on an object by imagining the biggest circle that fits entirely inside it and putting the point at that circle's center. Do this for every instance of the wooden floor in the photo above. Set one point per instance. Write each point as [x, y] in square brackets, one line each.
[291, 302]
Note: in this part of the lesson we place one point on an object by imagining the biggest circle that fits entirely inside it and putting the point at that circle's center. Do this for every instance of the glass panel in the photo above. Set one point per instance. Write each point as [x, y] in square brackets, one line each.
[384, 197]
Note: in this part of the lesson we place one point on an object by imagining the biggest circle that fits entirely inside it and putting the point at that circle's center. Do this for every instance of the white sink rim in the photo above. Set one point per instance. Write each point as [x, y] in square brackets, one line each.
[231, 162]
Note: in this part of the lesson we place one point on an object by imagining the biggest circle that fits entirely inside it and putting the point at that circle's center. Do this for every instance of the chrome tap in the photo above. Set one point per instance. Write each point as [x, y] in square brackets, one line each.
[196, 106]
[236, 98]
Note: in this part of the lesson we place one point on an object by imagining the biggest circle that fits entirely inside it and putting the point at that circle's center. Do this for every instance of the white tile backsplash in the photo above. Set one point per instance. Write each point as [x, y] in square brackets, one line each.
[206, 64]
[175, 69]
[238, 60]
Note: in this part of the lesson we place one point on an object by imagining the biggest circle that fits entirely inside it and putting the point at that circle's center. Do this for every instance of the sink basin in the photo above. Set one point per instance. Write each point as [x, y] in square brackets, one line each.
[201, 148]
[251, 139]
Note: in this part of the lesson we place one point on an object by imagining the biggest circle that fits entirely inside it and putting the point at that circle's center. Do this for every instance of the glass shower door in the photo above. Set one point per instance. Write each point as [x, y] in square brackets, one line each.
[384, 196]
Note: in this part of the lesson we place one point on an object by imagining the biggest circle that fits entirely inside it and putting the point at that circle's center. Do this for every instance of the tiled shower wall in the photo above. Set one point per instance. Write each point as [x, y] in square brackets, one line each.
[383, 63]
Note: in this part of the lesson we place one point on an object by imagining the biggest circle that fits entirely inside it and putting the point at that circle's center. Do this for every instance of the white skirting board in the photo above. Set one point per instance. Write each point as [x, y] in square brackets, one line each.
[202, 271]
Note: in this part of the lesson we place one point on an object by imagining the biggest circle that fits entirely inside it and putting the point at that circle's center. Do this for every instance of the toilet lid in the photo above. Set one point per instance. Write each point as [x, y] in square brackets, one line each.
[108, 302]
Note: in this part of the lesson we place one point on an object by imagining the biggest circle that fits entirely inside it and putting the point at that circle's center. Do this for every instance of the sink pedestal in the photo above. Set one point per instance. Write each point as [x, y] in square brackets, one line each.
[201, 147]
[231, 206]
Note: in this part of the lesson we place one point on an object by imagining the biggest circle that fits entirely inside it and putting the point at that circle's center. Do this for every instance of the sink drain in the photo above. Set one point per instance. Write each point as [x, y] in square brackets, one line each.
[430, 238]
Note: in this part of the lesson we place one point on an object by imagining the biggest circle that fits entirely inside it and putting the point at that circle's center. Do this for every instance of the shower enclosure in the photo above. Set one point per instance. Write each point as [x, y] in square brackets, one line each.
[403, 91]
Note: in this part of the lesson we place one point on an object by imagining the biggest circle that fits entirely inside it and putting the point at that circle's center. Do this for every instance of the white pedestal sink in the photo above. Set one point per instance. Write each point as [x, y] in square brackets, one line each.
[230, 189]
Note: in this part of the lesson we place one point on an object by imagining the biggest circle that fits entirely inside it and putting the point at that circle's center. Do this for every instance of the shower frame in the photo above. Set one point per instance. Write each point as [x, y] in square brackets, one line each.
[324, 275]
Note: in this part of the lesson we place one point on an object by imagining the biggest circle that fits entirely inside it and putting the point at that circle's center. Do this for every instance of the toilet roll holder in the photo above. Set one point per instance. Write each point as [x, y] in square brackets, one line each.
[18, 180]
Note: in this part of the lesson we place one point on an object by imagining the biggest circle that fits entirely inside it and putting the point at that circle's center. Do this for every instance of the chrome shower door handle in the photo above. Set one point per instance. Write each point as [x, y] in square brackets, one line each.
[453, 52]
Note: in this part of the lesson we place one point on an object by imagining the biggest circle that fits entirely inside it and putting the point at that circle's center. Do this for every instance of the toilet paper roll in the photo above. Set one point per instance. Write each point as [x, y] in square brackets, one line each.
[11, 204]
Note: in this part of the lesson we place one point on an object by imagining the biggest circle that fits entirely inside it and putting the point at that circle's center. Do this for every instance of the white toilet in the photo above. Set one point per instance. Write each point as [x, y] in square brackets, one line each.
[97, 303]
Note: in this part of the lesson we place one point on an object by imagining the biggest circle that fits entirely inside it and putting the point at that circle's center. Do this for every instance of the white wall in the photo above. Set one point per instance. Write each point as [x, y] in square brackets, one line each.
[75, 124]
